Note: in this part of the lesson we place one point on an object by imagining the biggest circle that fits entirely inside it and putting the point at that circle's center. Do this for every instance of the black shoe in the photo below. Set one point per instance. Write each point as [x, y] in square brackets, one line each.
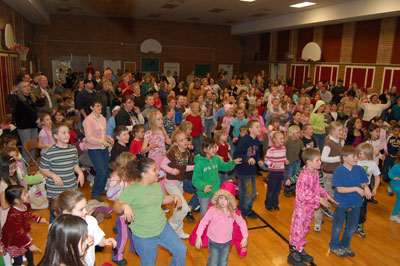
[305, 257]
[373, 201]
[98, 198]
[269, 209]
[189, 217]
[196, 209]
[98, 249]
[295, 259]
[103, 193]
[252, 215]
[276, 208]
[287, 193]
[122, 262]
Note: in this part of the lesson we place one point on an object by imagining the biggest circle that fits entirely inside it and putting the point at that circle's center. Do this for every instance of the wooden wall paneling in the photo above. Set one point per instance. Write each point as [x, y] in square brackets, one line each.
[334, 76]
[299, 73]
[265, 41]
[347, 76]
[396, 78]
[369, 81]
[396, 44]
[4, 81]
[366, 40]
[362, 75]
[332, 43]
[326, 72]
[282, 45]
[317, 73]
[305, 36]
[387, 78]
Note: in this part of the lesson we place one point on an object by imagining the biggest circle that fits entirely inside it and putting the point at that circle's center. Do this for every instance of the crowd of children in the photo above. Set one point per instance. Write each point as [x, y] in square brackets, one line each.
[223, 138]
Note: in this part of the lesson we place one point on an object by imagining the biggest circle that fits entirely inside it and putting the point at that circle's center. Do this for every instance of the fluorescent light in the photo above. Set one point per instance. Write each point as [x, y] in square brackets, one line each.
[303, 4]
[247, 0]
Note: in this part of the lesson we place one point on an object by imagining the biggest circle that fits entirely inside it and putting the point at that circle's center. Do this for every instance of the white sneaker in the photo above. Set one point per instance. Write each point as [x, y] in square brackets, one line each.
[317, 228]
[183, 235]
[166, 210]
[90, 178]
[395, 219]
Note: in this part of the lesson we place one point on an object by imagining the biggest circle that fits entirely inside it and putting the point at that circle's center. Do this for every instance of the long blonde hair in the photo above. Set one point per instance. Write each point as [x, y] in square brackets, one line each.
[153, 123]
[333, 126]
[174, 148]
[121, 163]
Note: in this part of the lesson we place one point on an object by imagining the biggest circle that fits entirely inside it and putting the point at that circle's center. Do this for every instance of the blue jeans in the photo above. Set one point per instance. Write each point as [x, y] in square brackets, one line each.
[100, 160]
[196, 144]
[351, 216]
[208, 127]
[204, 205]
[218, 253]
[188, 187]
[291, 170]
[147, 248]
[320, 139]
[389, 162]
[274, 188]
[247, 193]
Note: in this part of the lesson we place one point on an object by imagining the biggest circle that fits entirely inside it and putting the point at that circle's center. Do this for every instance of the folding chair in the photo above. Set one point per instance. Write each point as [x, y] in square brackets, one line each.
[30, 145]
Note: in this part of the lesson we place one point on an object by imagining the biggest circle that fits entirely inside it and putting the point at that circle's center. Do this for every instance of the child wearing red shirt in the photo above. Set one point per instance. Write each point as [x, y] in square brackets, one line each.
[195, 119]
[137, 142]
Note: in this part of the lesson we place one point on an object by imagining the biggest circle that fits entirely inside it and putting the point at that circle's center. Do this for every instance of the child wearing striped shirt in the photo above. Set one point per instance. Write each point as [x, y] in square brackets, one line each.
[276, 161]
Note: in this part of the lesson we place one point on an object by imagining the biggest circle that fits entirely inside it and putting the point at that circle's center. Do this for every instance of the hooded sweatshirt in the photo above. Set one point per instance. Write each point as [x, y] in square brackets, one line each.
[318, 119]
[205, 173]
[246, 149]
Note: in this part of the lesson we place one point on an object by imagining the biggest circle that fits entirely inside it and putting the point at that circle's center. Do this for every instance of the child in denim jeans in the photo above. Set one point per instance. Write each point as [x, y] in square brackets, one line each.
[220, 219]
[294, 146]
[351, 185]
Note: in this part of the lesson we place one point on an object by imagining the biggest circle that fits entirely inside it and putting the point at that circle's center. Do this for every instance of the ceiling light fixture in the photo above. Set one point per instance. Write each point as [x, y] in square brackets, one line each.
[303, 4]
[247, 0]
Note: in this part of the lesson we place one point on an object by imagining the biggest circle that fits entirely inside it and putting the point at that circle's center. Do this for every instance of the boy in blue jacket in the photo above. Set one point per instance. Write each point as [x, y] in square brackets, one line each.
[248, 150]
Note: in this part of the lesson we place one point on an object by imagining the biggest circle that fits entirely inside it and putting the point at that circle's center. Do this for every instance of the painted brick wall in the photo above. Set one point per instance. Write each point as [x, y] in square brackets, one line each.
[386, 39]
[347, 42]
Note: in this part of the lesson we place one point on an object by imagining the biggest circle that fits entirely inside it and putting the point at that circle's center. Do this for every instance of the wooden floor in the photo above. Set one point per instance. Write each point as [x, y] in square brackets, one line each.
[268, 245]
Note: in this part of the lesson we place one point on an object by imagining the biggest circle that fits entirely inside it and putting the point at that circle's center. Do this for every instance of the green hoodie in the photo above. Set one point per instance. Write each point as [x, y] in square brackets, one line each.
[205, 172]
[318, 119]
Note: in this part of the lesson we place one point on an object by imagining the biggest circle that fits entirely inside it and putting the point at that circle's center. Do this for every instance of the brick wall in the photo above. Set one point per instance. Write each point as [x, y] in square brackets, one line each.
[386, 39]
[184, 43]
[347, 42]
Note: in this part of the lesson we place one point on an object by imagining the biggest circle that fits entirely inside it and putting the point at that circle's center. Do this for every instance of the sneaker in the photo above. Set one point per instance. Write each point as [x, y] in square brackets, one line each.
[328, 213]
[339, 252]
[360, 232]
[349, 252]
[305, 257]
[389, 191]
[189, 217]
[197, 208]
[317, 228]
[276, 208]
[98, 198]
[122, 262]
[166, 210]
[252, 215]
[373, 201]
[183, 235]
[395, 219]
[287, 193]
[269, 209]
[295, 259]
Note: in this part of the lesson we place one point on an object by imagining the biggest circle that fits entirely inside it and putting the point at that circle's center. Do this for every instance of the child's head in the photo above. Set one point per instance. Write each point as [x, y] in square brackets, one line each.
[60, 133]
[138, 131]
[311, 158]
[243, 130]
[254, 127]
[297, 116]
[377, 120]
[223, 199]
[336, 129]
[180, 100]
[253, 111]
[278, 138]
[45, 120]
[208, 148]
[145, 169]
[67, 241]
[186, 126]
[319, 107]
[194, 108]
[373, 132]
[199, 99]
[220, 136]
[171, 101]
[365, 151]
[333, 107]
[70, 202]
[8, 167]
[121, 164]
[294, 132]
[12, 152]
[121, 133]
[155, 120]
[308, 130]
[59, 116]
[16, 194]
[275, 103]
[179, 139]
[149, 99]
[354, 124]
[168, 111]
[155, 96]
[9, 140]
[239, 113]
[340, 107]
[327, 109]
[396, 130]
[348, 154]
[275, 122]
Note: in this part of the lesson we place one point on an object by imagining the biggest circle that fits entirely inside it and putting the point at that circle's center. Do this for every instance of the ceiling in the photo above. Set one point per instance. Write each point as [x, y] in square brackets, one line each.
[225, 12]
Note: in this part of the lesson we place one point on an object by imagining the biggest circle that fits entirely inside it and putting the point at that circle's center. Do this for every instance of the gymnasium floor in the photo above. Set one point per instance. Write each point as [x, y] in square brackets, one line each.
[268, 237]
